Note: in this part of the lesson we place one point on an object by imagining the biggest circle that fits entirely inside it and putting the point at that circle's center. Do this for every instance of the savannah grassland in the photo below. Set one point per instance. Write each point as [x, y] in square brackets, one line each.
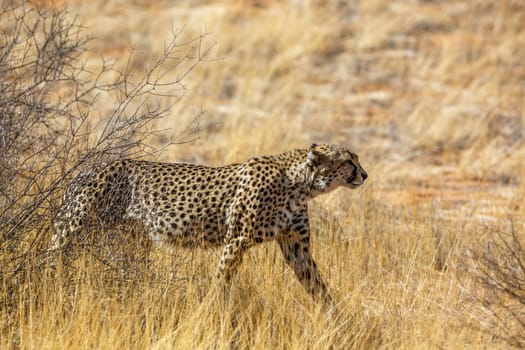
[430, 94]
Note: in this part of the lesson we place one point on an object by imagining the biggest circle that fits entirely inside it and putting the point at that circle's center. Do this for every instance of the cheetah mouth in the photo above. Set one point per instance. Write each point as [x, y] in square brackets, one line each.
[353, 182]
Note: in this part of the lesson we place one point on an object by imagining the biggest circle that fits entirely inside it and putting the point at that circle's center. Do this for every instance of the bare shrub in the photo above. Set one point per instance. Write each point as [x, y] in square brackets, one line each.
[51, 126]
[500, 271]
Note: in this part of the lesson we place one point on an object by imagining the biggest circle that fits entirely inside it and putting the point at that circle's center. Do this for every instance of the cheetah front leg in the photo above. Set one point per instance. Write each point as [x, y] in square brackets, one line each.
[295, 246]
[297, 255]
[231, 257]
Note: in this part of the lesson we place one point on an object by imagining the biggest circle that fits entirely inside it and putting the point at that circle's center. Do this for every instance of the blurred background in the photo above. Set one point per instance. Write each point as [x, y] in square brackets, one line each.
[429, 93]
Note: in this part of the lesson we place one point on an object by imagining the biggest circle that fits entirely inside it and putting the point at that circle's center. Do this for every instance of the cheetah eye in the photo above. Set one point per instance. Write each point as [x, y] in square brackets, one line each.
[338, 165]
[349, 162]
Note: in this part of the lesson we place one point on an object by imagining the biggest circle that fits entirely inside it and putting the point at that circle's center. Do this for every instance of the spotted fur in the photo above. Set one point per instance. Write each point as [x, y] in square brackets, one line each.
[234, 206]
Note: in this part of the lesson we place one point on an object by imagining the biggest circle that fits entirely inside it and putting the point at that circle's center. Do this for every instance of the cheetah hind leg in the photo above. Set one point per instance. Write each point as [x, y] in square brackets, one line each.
[60, 235]
[68, 225]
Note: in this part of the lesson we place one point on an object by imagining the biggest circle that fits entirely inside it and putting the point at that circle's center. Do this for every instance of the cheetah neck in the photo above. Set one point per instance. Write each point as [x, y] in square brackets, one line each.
[299, 175]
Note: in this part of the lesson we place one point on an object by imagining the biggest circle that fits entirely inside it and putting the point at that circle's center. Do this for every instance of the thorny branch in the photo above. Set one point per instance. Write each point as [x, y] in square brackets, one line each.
[50, 127]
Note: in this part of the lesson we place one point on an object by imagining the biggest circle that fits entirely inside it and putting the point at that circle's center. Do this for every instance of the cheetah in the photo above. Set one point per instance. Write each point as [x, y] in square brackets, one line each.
[234, 206]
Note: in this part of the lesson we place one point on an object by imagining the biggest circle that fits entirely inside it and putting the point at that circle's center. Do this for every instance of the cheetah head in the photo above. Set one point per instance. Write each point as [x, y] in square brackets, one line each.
[334, 166]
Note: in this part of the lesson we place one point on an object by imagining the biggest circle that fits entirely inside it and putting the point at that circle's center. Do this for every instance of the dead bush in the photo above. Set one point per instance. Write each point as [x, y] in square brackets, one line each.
[500, 272]
[51, 126]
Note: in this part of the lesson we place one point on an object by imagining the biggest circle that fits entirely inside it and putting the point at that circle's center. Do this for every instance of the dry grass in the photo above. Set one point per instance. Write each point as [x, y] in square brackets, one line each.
[430, 94]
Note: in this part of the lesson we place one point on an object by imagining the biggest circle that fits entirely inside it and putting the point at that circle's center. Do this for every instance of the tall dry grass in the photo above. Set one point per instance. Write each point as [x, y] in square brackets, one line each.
[429, 94]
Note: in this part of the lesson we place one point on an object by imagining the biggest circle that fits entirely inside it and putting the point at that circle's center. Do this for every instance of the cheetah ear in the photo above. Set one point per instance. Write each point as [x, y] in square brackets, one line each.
[312, 159]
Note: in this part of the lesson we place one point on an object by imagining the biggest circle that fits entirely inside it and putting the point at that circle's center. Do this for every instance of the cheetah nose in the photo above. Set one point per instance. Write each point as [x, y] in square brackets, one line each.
[364, 175]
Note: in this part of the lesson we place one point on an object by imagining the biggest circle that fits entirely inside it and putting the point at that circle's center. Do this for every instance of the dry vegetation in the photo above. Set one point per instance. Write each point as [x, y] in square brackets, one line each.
[430, 94]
